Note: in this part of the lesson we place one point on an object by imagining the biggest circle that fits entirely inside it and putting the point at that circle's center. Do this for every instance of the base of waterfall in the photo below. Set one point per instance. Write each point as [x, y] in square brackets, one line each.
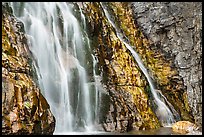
[87, 130]
[81, 133]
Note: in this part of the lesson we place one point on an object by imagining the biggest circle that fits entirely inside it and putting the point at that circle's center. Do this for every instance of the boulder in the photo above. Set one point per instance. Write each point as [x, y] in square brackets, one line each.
[184, 127]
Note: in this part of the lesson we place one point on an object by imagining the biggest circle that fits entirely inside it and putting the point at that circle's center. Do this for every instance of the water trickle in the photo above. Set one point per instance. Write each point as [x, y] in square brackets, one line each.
[164, 114]
[57, 43]
[97, 93]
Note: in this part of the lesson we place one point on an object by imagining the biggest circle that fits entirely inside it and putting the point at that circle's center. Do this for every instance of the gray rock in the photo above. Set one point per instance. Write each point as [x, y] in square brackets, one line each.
[176, 28]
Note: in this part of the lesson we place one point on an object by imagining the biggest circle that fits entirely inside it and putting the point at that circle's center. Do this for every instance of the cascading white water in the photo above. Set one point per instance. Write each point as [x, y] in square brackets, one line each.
[57, 44]
[96, 82]
[164, 114]
[97, 93]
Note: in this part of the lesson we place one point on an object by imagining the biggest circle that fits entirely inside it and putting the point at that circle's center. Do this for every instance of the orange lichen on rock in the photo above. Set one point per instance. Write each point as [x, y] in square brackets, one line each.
[159, 67]
[22, 104]
[122, 71]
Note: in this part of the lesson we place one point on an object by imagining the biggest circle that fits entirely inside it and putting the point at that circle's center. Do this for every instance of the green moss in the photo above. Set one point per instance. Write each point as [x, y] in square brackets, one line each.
[27, 105]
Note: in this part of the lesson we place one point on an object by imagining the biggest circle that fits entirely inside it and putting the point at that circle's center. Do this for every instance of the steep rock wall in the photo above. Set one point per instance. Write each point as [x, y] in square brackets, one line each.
[121, 73]
[124, 80]
[24, 109]
[161, 68]
[175, 28]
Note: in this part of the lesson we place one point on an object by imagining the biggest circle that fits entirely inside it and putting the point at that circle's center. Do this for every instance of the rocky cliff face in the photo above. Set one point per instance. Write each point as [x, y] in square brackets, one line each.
[24, 109]
[168, 40]
[176, 29]
[125, 83]
[121, 74]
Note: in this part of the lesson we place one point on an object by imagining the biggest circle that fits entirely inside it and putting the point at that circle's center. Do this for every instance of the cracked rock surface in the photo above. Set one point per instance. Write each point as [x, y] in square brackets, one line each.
[176, 29]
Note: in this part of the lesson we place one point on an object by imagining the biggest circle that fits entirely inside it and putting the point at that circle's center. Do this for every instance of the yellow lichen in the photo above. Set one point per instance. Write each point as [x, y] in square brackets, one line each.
[122, 69]
[154, 60]
[20, 108]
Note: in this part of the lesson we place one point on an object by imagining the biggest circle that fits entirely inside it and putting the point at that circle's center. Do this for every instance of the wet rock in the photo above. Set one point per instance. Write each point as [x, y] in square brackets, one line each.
[24, 109]
[109, 127]
[184, 127]
[125, 82]
[160, 68]
[178, 34]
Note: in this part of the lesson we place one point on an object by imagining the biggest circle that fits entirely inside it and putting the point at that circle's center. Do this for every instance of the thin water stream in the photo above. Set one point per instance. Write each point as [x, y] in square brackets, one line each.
[164, 114]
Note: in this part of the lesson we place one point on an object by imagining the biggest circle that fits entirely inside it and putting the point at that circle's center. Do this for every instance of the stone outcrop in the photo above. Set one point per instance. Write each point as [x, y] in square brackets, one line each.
[176, 29]
[24, 109]
[184, 127]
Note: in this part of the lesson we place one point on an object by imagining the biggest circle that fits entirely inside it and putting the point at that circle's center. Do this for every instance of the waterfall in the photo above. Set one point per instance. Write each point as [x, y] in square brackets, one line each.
[97, 93]
[96, 83]
[164, 114]
[57, 43]
[57, 40]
